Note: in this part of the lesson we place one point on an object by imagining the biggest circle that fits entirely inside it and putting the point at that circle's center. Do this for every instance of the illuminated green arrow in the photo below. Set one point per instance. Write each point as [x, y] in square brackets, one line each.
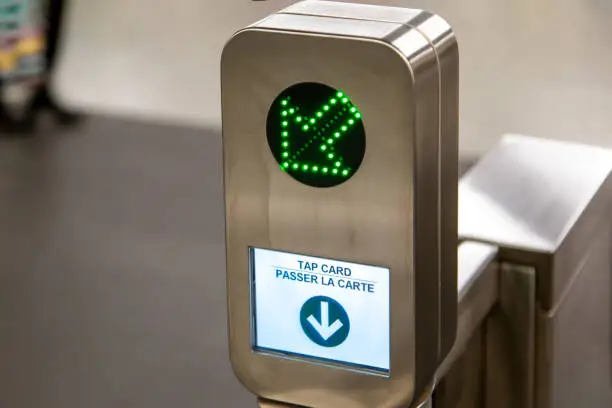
[322, 130]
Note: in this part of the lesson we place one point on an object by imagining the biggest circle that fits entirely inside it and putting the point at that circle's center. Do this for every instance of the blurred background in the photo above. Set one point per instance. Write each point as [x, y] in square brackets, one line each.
[112, 274]
[539, 67]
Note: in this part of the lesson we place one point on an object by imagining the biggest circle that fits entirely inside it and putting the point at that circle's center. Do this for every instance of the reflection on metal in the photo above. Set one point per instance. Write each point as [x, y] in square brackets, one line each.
[426, 401]
[264, 403]
[509, 341]
[398, 210]
[478, 287]
[548, 206]
[460, 375]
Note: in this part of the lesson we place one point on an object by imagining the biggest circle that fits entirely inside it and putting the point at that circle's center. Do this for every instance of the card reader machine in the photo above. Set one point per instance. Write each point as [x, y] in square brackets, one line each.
[340, 129]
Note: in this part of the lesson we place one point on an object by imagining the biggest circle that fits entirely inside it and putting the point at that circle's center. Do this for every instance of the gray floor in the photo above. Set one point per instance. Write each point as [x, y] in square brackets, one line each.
[112, 270]
[112, 280]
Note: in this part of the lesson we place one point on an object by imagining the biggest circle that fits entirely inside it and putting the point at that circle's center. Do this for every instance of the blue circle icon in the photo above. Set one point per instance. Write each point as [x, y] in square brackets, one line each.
[324, 321]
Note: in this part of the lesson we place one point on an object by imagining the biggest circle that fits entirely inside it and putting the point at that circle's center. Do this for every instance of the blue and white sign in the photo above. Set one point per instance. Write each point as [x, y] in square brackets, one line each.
[325, 321]
[321, 308]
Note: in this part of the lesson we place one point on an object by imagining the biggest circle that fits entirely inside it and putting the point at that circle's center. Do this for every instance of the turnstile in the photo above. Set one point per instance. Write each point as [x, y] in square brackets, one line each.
[531, 276]
[547, 341]
[534, 280]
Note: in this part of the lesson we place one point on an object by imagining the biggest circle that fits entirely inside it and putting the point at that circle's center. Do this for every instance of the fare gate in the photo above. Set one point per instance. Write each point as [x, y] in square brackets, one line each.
[349, 284]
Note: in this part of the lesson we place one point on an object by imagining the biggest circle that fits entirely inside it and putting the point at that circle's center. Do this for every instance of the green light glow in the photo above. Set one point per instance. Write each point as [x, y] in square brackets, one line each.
[316, 134]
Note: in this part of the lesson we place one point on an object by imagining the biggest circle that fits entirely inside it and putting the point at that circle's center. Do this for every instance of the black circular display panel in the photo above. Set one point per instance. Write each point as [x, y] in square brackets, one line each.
[316, 134]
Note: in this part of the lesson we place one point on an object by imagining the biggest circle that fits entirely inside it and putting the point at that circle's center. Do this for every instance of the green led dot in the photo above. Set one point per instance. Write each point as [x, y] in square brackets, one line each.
[318, 118]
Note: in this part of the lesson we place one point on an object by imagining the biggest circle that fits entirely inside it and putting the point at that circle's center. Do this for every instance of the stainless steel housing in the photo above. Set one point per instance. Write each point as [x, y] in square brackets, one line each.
[547, 206]
[399, 210]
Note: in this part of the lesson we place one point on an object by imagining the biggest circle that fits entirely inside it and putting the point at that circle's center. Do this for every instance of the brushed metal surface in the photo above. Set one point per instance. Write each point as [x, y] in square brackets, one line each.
[478, 290]
[510, 335]
[460, 378]
[383, 215]
[530, 196]
[435, 30]
[575, 337]
[431, 28]
[548, 205]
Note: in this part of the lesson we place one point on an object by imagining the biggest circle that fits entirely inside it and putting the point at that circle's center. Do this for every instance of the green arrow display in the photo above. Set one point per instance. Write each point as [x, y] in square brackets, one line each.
[317, 134]
[319, 130]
